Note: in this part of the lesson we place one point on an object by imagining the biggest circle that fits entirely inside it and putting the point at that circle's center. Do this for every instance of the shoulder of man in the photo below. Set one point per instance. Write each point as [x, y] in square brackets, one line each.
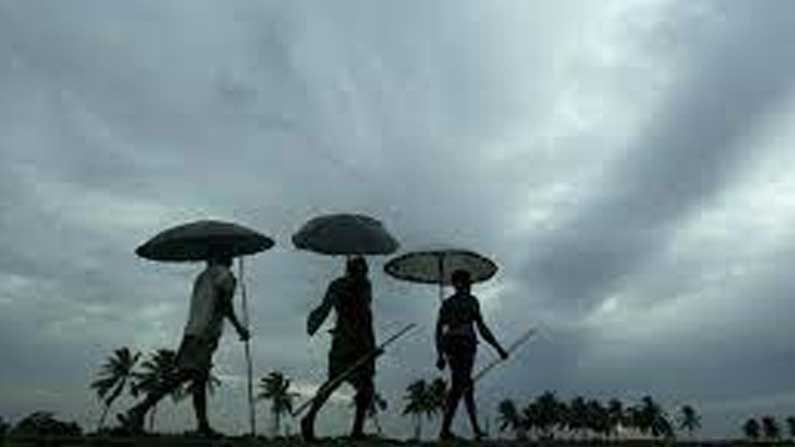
[224, 277]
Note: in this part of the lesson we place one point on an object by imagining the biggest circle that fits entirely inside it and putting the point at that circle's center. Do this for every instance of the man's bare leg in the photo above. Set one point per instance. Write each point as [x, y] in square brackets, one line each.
[134, 417]
[363, 399]
[469, 400]
[308, 421]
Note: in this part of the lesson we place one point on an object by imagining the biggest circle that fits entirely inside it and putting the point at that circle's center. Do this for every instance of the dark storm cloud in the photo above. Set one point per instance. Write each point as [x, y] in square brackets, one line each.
[454, 122]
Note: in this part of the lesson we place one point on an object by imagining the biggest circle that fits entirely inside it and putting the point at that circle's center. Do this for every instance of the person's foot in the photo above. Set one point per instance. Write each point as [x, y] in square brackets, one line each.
[132, 422]
[480, 435]
[308, 429]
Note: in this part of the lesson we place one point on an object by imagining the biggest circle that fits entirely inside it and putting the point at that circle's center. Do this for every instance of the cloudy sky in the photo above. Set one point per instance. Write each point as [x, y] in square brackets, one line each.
[625, 162]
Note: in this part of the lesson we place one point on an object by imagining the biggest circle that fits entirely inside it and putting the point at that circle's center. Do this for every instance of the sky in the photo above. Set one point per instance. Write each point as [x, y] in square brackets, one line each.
[625, 163]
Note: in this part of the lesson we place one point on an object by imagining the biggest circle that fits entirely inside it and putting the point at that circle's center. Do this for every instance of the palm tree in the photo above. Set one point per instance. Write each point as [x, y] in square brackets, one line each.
[417, 404]
[511, 418]
[615, 416]
[113, 377]
[4, 427]
[597, 420]
[633, 420]
[771, 428]
[437, 397]
[548, 413]
[651, 417]
[530, 417]
[276, 388]
[751, 429]
[791, 424]
[689, 420]
[576, 418]
[155, 370]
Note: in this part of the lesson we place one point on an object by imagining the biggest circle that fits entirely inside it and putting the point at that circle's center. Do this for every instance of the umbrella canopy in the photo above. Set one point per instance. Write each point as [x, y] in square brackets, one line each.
[199, 240]
[345, 234]
[437, 266]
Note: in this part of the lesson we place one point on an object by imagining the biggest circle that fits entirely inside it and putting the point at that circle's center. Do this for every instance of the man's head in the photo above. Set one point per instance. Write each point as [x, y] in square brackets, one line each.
[356, 267]
[462, 280]
[220, 259]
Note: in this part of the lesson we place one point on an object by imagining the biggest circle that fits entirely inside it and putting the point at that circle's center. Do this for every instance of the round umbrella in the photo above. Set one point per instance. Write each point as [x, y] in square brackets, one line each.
[345, 234]
[199, 241]
[437, 266]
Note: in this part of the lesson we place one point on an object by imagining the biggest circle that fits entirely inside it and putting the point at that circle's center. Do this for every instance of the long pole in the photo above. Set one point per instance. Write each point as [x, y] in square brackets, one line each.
[247, 345]
[347, 372]
[513, 347]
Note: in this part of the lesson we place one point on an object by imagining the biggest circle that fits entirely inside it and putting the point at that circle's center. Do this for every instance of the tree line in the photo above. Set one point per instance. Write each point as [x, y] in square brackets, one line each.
[545, 417]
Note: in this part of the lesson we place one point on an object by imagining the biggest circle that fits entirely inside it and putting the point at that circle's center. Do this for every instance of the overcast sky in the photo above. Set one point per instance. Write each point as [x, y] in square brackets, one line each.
[626, 163]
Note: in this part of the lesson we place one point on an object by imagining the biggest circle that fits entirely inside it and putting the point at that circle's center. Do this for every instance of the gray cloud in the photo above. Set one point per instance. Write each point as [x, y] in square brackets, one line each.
[601, 154]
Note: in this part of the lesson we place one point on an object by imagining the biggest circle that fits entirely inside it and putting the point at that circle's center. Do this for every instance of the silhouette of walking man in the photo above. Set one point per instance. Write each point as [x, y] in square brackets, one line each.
[456, 340]
[352, 338]
[210, 304]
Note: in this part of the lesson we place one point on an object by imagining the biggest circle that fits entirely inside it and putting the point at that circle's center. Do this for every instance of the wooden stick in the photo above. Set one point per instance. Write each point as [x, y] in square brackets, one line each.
[341, 377]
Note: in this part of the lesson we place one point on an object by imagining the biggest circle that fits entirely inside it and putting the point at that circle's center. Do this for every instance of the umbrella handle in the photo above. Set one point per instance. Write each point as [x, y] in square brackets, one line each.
[247, 346]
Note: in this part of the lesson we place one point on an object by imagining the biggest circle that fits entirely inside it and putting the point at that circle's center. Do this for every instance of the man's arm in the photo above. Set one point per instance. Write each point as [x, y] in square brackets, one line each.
[485, 332]
[438, 337]
[320, 313]
[226, 293]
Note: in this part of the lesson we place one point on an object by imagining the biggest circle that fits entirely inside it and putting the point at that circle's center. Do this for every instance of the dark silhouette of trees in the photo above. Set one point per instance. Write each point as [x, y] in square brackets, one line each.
[791, 426]
[549, 414]
[43, 423]
[771, 429]
[510, 418]
[577, 416]
[752, 429]
[114, 376]
[690, 420]
[276, 388]
[425, 399]
[417, 404]
[616, 416]
[4, 427]
[545, 416]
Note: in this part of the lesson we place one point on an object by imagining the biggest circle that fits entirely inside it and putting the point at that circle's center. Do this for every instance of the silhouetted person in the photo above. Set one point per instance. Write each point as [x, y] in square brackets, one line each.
[210, 304]
[352, 338]
[456, 340]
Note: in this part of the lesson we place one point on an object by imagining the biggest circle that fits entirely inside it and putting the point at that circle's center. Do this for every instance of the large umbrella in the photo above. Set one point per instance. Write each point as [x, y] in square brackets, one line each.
[345, 234]
[437, 266]
[200, 240]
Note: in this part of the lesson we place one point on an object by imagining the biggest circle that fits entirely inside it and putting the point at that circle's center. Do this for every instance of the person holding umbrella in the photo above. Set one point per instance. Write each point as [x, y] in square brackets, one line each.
[211, 304]
[216, 243]
[456, 345]
[353, 338]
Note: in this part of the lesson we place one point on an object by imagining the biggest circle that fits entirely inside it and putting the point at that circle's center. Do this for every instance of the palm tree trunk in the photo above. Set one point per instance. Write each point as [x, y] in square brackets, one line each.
[277, 417]
[152, 418]
[102, 417]
[417, 426]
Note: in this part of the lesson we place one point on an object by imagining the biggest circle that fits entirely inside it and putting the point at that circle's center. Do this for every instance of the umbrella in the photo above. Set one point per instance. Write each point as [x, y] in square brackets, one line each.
[437, 266]
[200, 240]
[345, 234]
